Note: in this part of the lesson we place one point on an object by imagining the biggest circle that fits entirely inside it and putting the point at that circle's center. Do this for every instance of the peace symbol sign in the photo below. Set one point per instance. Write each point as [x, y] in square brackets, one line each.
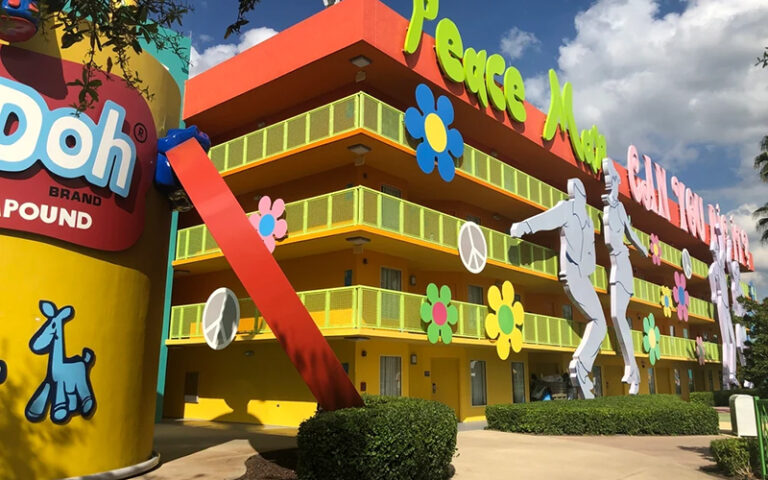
[473, 249]
[221, 317]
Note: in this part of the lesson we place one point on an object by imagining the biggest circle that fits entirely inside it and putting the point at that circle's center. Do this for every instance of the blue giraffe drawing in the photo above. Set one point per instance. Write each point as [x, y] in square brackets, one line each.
[67, 385]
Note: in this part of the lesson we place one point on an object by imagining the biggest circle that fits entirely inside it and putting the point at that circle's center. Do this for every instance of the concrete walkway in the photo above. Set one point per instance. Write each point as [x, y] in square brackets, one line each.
[488, 454]
[216, 451]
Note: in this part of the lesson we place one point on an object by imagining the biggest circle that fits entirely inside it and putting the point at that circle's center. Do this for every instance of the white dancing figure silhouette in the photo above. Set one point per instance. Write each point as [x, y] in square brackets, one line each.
[734, 272]
[616, 224]
[719, 286]
[577, 263]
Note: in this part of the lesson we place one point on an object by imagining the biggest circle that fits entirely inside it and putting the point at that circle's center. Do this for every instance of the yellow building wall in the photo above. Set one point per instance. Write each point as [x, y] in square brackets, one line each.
[250, 382]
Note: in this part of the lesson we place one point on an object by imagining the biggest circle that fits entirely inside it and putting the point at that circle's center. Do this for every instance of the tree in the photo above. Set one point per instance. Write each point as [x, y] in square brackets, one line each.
[761, 164]
[756, 354]
[120, 25]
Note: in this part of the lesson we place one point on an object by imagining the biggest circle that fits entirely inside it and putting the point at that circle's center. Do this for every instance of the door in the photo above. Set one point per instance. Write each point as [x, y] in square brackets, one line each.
[445, 382]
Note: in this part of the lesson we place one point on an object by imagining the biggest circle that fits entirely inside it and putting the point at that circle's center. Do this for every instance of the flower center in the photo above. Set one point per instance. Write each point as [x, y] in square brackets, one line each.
[267, 225]
[666, 301]
[652, 338]
[435, 132]
[506, 319]
[439, 313]
[681, 295]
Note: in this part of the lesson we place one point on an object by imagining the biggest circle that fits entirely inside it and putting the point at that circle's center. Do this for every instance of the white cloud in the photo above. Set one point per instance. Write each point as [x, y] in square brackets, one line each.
[200, 62]
[668, 83]
[675, 86]
[205, 38]
[516, 41]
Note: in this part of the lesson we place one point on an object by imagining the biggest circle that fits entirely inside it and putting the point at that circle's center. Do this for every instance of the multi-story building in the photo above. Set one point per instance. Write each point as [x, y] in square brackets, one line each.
[315, 116]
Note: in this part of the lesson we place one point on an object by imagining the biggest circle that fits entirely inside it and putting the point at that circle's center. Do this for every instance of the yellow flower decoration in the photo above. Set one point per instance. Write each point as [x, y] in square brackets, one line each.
[666, 301]
[505, 322]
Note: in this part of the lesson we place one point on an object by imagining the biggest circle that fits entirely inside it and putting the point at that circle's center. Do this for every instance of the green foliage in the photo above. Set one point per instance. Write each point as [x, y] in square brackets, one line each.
[119, 27]
[625, 415]
[720, 398]
[389, 438]
[761, 165]
[737, 457]
[756, 320]
[702, 398]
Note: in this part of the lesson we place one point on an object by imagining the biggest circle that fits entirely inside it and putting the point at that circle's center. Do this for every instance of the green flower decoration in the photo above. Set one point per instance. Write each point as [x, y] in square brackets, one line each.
[439, 314]
[651, 339]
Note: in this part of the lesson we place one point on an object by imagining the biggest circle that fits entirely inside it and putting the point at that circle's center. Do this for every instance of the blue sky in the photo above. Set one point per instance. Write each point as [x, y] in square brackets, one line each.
[673, 77]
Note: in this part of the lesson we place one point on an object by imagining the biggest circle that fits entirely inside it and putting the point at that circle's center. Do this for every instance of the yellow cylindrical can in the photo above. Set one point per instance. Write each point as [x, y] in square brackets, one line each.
[83, 255]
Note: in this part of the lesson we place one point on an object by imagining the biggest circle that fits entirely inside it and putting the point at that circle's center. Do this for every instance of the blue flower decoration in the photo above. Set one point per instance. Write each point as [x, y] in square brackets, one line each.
[431, 124]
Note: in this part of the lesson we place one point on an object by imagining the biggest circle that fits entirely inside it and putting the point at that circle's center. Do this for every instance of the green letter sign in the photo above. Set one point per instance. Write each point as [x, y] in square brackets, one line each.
[589, 147]
[422, 10]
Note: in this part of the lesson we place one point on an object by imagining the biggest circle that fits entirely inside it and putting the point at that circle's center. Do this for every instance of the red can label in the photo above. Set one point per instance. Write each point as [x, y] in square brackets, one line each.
[81, 177]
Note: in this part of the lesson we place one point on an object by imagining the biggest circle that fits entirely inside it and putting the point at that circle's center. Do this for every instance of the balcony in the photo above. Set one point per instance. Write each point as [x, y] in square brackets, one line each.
[377, 312]
[364, 208]
[363, 113]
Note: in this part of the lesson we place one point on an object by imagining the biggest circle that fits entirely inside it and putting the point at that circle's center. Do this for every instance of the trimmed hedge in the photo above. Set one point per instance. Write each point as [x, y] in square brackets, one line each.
[720, 398]
[390, 438]
[626, 415]
[737, 457]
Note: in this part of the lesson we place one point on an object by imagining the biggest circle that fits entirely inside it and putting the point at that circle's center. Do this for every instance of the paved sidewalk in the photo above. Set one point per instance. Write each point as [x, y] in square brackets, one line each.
[213, 451]
[217, 451]
[488, 454]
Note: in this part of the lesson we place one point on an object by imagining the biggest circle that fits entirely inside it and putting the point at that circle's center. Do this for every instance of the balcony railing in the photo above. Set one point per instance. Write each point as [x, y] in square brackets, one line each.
[362, 206]
[362, 111]
[375, 308]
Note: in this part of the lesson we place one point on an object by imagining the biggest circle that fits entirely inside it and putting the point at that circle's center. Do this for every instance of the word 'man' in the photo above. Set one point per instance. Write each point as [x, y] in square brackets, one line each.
[68, 145]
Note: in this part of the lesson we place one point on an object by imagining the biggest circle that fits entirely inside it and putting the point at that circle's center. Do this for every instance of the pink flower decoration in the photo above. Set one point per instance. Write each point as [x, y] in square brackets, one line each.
[655, 249]
[268, 222]
[681, 297]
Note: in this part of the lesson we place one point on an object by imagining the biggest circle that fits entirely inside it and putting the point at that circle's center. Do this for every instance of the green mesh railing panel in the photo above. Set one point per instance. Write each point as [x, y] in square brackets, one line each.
[702, 308]
[363, 111]
[376, 308]
[364, 206]
[318, 124]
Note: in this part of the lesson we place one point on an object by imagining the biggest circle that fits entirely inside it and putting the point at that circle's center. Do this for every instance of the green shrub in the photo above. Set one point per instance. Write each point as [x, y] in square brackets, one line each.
[737, 457]
[703, 398]
[627, 415]
[720, 398]
[389, 438]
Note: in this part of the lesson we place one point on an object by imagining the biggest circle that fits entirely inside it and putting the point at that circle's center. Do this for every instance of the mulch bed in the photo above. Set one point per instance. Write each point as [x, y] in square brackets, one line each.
[277, 465]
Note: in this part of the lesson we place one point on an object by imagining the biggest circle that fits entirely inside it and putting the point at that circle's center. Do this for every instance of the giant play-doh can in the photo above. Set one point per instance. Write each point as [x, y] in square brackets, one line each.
[83, 254]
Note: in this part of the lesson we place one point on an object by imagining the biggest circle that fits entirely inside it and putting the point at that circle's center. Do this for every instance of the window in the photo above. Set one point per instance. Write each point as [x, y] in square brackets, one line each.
[651, 381]
[671, 330]
[518, 382]
[347, 278]
[390, 190]
[475, 295]
[597, 375]
[391, 279]
[711, 381]
[678, 386]
[389, 374]
[568, 312]
[477, 377]
[390, 208]
[685, 333]
[190, 387]
[472, 218]
[345, 366]
[691, 383]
